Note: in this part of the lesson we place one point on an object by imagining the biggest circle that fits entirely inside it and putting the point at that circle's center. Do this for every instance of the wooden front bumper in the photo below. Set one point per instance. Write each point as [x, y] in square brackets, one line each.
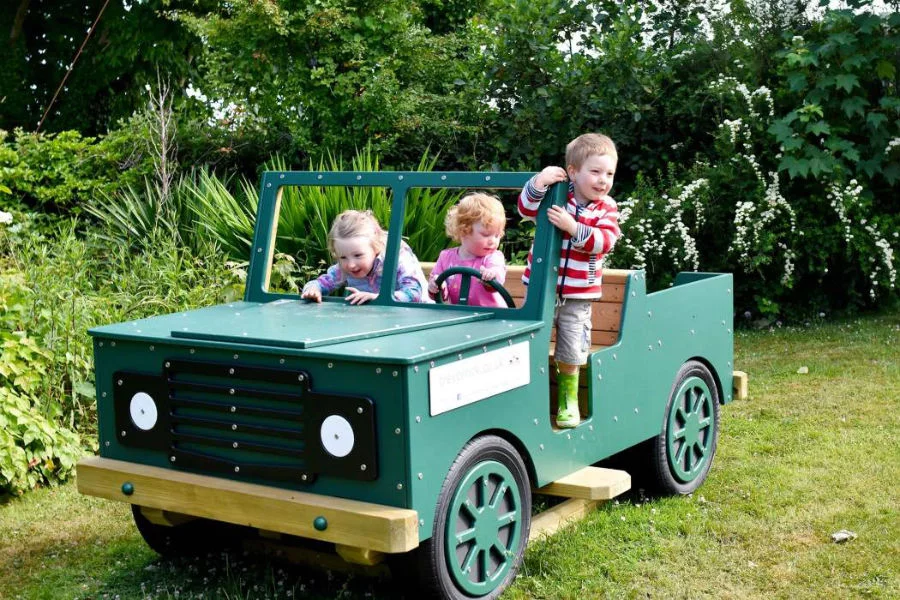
[348, 522]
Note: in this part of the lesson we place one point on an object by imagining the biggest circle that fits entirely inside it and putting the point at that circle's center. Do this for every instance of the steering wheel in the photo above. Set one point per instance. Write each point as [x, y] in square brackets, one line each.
[467, 273]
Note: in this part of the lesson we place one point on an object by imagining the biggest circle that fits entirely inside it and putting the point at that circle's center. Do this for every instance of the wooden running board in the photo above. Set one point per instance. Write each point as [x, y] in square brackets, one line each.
[585, 489]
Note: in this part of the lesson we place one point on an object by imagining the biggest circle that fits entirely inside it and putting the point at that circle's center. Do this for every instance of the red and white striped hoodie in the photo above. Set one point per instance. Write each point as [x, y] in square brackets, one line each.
[581, 255]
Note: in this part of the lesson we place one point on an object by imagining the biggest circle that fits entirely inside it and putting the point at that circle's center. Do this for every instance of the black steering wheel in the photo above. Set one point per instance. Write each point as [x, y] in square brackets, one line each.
[467, 273]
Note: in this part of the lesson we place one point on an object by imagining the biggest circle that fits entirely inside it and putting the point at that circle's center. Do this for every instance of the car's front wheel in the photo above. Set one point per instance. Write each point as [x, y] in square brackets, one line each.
[481, 524]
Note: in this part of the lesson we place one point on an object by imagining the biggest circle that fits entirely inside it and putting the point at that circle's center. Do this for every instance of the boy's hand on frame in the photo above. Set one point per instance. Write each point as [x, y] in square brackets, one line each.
[549, 176]
[562, 220]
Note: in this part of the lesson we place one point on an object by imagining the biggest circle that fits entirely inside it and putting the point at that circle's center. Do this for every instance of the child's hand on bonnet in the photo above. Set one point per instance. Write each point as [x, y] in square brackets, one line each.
[358, 297]
[312, 292]
[549, 176]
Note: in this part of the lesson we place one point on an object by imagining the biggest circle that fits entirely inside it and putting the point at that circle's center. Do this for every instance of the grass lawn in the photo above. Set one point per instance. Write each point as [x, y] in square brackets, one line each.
[806, 456]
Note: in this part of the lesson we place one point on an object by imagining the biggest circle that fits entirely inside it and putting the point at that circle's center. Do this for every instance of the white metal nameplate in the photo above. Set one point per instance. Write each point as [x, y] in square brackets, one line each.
[479, 377]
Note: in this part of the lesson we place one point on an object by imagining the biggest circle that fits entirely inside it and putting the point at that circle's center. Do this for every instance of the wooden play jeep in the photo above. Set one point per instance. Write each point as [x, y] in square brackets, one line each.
[403, 429]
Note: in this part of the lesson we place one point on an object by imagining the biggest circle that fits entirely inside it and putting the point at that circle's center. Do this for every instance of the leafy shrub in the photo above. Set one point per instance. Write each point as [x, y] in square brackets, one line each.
[35, 447]
[76, 281]
[58, 172]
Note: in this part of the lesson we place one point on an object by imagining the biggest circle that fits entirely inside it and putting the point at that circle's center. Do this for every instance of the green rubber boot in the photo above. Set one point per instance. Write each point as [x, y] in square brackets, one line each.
[567, 393]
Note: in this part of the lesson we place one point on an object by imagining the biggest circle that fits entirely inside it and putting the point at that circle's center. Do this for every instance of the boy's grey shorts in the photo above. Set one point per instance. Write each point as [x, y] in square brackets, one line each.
[573, 331]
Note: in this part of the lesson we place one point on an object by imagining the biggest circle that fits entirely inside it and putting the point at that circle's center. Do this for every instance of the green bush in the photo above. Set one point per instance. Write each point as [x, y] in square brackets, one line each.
[54, 285]
[58, 172]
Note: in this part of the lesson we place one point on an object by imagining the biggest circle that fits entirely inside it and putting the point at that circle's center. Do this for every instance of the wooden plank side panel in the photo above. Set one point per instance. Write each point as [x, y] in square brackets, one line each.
[350, 522]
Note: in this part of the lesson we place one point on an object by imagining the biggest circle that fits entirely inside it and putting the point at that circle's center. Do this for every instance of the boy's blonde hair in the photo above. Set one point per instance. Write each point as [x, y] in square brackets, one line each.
[587, 145]
[357, 223]
[471, 209]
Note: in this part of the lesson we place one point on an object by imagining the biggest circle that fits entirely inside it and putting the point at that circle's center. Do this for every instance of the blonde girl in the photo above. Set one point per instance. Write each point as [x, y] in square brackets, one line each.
[357, 242]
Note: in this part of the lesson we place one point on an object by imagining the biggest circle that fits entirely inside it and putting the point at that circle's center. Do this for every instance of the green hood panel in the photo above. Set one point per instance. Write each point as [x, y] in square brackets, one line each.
[289, 323]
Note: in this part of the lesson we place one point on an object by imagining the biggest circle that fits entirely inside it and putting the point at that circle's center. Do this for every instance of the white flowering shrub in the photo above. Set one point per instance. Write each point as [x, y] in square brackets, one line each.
[660, 225]
[864, 243]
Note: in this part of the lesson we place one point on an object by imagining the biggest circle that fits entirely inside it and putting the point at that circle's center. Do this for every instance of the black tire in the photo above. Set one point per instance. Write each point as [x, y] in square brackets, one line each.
[492, 464]
[189, 539]
[681, 457]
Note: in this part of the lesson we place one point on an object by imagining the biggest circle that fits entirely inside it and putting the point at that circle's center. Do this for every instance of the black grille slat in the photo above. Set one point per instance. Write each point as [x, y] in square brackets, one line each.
[293, 452]
[236, 427]
[238, 390]
[209, 462]
[174, 368]
[238, 409]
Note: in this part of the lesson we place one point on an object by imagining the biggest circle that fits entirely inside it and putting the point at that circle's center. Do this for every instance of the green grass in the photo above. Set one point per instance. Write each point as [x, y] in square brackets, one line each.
[805, 456]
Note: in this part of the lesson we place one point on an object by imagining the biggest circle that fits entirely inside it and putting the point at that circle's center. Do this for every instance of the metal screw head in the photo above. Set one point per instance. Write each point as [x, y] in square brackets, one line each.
[397, 431]
[231, 391]
[418, 419]
[378, 370]
[541, 446]
[234, 427]
[416, 368]
[301, 377]
[362, 467]
[235, 357]
[113, 344]
[399, 486]
[237, 469]
[281, 361]
[421, 476]
[536, 421]
[234, 445]
[231, 371]
[119, 382]
[123, 433]
[171, 459]
[152, 348]
[303, 477]
[192, 350]
[330, 365]
[359, 410]
[396, 373]
[106, 443]
[233, 408]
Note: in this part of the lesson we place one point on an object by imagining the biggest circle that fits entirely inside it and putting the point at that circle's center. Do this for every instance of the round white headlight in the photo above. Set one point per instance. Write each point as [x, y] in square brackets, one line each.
[143, 411]
[337, 436]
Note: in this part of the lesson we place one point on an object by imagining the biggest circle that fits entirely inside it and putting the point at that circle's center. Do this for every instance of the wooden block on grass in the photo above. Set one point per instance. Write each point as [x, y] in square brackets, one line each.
[740, 384]
[553, 519]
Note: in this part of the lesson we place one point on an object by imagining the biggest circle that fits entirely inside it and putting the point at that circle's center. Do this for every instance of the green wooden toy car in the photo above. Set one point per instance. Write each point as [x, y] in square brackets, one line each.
[394, 428]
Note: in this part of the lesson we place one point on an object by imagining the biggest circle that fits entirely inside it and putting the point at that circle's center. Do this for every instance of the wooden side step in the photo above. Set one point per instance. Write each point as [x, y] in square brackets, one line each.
[590, 483]
[585, 489]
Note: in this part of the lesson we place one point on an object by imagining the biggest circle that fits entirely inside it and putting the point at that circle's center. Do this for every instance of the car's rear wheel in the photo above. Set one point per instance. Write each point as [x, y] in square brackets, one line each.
[481, 523]
[683, 451]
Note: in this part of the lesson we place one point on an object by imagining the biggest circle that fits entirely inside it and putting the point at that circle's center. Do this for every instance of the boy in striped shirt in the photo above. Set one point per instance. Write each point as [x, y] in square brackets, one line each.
[590, 227]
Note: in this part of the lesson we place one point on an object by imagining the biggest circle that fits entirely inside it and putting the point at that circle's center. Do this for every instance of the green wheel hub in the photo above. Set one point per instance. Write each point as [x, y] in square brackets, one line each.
[690, 434]
[484, 528]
